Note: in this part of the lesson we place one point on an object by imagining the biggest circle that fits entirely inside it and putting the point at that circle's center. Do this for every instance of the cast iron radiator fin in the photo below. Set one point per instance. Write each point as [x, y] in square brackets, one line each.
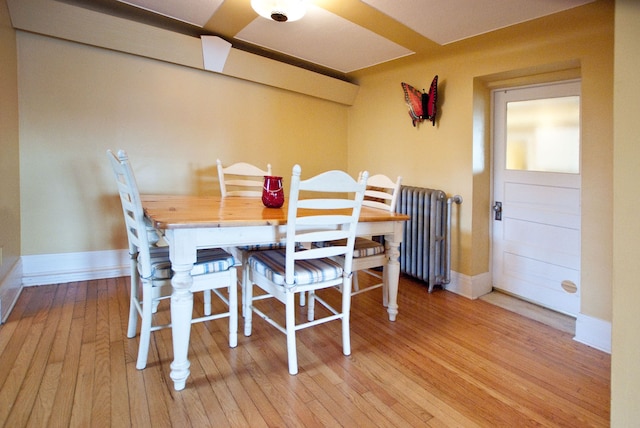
[425, 252]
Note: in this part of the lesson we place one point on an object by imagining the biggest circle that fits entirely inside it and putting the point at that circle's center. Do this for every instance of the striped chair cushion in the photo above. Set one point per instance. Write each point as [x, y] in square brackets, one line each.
[212, 260]
[208, 261]
[262, 247]
[271, 265]
[363, 247]
[160, 264]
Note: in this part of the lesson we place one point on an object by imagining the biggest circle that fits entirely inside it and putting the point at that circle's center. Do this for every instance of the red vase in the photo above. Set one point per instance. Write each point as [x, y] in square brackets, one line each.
[272, 192]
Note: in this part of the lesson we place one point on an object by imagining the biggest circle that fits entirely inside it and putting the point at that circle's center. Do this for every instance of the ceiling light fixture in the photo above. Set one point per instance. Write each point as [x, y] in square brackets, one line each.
[280, 10]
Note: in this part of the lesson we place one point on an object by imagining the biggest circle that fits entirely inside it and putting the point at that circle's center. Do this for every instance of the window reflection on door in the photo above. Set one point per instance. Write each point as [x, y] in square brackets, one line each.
[544, 135]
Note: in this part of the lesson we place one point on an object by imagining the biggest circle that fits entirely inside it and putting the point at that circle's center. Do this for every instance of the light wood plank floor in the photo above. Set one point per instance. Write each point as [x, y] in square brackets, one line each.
[447, 361]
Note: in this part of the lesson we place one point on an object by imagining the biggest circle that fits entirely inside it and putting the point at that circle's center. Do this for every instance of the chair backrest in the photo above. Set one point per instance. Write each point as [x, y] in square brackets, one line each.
[242, 178]
[330, 214]
[139, 232]
[382, 192]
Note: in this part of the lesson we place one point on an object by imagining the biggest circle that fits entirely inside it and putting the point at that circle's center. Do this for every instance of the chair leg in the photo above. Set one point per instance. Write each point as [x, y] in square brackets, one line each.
[233, 313]
[311, 305]
[133, 310]
[385, 287]
[356, 287]
[156, 301]
[145, 330]
[346, 310]
[248, 312]
[207, 302]
[245, 283]
[292, 355]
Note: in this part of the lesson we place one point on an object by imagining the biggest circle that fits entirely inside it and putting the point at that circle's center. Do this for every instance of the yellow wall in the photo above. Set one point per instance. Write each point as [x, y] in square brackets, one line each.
[9, 152]
[77, 101]
[166, 115]
[455, 154]
[175, 121]
[625, 371]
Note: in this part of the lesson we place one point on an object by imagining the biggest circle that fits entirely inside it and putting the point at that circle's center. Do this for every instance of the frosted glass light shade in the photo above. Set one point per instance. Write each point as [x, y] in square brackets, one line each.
[280, 10]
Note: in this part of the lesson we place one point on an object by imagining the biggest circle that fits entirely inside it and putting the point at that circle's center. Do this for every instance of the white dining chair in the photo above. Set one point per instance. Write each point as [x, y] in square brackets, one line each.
[151, 271]
[241, 179]
[301, 268]
[368, 254]
[244, 180]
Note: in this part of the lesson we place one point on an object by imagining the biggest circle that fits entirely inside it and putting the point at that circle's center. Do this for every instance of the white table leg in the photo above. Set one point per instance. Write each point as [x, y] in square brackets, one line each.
[181, 309]
[392, 273]
[182, 257]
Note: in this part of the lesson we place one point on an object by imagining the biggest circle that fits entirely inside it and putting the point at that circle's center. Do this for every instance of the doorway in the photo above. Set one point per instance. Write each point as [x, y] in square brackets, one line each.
[536, 215]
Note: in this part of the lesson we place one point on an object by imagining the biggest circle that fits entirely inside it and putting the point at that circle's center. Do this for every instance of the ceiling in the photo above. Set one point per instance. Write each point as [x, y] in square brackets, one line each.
[337, 37]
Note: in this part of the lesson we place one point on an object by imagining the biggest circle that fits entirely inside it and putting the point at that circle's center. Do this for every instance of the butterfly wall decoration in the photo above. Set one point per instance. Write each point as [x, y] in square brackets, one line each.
[422, 105]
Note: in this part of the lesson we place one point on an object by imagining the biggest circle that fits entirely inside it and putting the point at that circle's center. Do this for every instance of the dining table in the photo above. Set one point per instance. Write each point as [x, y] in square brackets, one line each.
[188, 223]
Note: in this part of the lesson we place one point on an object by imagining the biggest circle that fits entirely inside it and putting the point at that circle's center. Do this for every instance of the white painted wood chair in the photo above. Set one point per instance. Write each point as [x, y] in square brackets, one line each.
[243, 179]
[285, 272]
[382, 193]
[151, 268]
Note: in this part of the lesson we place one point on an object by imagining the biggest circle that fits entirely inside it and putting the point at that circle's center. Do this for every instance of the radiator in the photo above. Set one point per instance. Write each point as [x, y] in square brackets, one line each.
[425, 251]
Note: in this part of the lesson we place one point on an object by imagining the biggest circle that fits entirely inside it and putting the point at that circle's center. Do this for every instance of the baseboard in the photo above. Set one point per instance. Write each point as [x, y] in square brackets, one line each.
[10, 288]
[70, 267]
[470, 287]
[593, 332]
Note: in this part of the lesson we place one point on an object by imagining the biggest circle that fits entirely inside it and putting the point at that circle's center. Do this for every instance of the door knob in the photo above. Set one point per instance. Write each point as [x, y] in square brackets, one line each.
[497, 209]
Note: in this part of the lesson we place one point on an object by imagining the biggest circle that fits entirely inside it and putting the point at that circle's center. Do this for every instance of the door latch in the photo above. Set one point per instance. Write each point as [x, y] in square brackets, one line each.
[497, 209]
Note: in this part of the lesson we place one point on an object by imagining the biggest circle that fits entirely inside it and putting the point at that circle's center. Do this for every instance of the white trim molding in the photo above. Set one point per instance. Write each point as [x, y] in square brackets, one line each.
[470, 287]
[10, 288]
[593, 332]
[69, 267]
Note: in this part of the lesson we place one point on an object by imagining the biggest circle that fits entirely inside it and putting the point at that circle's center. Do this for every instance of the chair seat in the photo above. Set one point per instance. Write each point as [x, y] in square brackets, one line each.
[271, 263]
[208, 261]
[363, 247]
[262, 247]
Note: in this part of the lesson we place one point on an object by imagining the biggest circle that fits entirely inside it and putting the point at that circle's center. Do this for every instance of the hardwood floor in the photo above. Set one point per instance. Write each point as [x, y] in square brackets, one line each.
[65, 360]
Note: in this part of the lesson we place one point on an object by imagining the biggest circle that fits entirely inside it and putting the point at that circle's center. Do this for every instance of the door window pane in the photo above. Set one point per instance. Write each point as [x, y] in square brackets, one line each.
[544, 135]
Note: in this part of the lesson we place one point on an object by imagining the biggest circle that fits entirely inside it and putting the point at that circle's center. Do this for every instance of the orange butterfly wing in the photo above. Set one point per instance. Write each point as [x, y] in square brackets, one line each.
[413, 98]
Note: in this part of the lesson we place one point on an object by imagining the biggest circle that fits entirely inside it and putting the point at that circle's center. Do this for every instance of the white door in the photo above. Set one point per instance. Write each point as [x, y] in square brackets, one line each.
[536, 218]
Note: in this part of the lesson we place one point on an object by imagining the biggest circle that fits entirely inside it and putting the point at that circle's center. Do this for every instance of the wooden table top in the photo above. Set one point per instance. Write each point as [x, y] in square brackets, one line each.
[184, 211]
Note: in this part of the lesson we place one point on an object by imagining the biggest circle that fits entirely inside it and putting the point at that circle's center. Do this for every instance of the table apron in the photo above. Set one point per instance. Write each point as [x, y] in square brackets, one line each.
[206, 237]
